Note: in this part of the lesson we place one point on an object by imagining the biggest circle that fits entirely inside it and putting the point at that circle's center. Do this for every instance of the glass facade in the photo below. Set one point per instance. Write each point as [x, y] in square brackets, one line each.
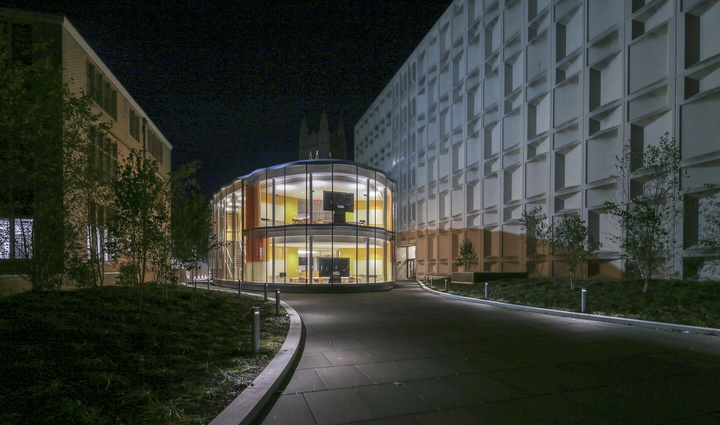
[306, 222]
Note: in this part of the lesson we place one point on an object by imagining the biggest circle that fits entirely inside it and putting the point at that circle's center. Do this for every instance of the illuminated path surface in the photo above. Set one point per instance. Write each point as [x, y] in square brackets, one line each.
[408, 357]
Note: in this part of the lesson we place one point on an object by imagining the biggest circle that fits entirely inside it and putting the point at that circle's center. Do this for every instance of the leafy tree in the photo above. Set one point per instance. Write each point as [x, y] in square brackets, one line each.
[467, 256]
[30, 127]
[537, 237]
[571, 240]
[140, 222]
[647, 204]
[192, 237]
[710, 236]
[88, 171]
[46, 186]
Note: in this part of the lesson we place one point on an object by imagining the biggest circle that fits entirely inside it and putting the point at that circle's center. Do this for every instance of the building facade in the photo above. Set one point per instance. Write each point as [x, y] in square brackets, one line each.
[508, 105]
[306, 222]
[83, 72]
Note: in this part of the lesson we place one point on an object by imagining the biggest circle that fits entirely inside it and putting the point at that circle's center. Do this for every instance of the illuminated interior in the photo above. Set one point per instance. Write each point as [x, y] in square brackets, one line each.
[306, 222]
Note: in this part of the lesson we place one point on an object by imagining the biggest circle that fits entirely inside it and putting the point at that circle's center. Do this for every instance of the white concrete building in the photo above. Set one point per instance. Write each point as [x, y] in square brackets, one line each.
[510, 104]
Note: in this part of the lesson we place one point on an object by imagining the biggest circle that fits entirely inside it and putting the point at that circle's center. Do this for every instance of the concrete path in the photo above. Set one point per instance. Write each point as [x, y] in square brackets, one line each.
[409, 357]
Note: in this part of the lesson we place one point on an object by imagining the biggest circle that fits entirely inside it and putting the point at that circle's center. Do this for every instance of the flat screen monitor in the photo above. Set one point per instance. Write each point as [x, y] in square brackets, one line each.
[338, 201]
[328, 265]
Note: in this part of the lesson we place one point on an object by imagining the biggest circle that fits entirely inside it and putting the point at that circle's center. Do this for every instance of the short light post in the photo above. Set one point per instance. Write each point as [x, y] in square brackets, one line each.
[583, 300]
[256, 329]
[277, 302]
[446, 285]
[266, 289]
[487, 289]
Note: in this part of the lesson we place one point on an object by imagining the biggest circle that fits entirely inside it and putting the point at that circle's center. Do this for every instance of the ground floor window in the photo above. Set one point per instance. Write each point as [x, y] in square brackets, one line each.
[15, 238]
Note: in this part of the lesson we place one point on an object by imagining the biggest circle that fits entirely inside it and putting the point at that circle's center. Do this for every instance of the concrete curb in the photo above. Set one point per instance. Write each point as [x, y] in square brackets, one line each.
[245, 408]
[584, 316]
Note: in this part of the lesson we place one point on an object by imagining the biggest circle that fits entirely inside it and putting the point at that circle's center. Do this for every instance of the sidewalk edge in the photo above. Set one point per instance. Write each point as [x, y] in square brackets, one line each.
[584, 316]
[245, 408]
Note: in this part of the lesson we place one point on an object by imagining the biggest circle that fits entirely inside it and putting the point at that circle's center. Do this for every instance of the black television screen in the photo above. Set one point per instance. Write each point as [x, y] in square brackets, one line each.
[328, 265]
[302, 261]
[338, 201]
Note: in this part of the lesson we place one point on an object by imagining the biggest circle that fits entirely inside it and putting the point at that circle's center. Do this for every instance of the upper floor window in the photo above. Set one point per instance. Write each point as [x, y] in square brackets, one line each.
[134, 125]
[102, 156]
[101, 91]
[155, 146]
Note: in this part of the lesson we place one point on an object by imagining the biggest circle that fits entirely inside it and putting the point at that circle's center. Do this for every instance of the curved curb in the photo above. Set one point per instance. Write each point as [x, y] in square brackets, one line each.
[584, 316]
[315, 288]
[245, 408]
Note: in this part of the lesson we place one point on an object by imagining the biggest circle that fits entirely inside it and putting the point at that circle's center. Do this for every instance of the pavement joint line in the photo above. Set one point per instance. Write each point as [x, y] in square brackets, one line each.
[583, 316]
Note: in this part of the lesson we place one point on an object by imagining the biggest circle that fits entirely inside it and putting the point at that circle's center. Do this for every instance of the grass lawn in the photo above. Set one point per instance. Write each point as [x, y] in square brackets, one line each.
[98, 356]
[695, 303]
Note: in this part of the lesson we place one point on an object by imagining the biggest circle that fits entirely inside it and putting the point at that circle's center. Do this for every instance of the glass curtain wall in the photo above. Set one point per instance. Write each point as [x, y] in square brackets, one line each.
[306, 222]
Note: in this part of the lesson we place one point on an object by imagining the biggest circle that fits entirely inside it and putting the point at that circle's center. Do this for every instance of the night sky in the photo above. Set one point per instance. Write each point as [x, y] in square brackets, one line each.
[227, 82]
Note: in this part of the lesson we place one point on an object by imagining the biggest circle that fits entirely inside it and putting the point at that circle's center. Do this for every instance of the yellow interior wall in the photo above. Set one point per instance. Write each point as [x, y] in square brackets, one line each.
[362, 205]
[291, 262]
[352, 254]
[375, 253]
[279, 252]
[291, 205]
[291, 208]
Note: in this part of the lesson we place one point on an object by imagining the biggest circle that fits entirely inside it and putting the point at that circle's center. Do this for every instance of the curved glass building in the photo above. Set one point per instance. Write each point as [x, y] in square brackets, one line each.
[306, 223]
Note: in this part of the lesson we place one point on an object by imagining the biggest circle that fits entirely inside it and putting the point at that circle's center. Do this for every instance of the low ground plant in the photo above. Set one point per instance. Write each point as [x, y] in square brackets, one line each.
[91, 356]
[686, 302]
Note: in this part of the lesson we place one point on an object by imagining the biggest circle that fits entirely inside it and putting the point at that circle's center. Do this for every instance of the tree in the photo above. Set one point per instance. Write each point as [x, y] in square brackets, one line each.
[191, 221]
[709, 238]
[30, 128]
[139, 225]
[647, 204]
[570, 239]
[88, 171]
[46, 186]
[467, 256]
[536, 237]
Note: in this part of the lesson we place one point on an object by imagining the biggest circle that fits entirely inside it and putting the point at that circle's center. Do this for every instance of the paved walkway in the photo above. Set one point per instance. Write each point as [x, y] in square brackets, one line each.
[409, 357]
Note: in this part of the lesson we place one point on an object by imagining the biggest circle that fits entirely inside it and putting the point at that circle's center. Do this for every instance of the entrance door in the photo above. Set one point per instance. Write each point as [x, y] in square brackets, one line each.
[411, 268]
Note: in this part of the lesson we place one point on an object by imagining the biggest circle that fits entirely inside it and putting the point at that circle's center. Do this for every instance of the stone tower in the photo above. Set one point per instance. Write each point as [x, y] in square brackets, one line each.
[322, 143]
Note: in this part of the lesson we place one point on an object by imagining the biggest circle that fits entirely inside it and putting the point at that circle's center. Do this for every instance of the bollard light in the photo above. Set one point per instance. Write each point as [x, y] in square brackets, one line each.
[266, 288]
[446, 285]
[277, 302]
[487, 287]
[256, 329]
[239, 287]
[583, 300]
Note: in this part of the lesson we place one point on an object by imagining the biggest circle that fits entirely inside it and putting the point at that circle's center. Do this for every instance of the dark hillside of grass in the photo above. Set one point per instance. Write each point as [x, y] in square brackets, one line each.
[695, 303]
[92, 357]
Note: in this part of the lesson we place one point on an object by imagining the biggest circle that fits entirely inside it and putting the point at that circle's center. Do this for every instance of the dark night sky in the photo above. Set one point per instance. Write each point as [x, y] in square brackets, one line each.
[227, 82]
